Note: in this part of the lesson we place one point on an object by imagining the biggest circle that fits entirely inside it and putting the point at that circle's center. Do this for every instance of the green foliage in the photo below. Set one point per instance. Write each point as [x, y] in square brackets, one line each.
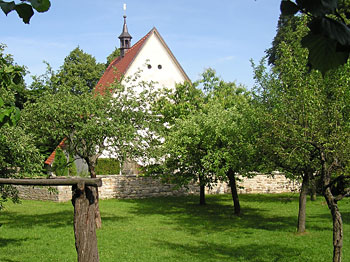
[25, 9]
[289, 96]
[8, 115]
[60, 165]
[107, 166]
[178, 103]
[79, 72]
[72, 167]
[328, 39]
[12, 93]
[18, 155]
[112, 56]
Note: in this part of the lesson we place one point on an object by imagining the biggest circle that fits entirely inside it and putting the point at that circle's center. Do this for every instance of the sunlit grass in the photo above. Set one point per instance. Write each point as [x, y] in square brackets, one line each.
[176, 229]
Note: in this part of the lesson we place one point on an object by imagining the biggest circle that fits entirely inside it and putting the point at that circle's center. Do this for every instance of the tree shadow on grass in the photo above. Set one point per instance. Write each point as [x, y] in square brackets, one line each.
[8, 260]
[270, 198]
[186, 214]
[51, 220]
[14, 241]
[207, 251]
[328, 217]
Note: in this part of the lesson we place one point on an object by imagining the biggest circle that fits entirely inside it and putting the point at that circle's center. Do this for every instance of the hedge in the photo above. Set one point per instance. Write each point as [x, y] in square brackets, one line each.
[107, 166]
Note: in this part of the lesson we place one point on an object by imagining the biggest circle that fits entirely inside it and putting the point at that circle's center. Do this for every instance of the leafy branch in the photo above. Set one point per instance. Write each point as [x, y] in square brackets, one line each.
[25, 9]
[328, 40]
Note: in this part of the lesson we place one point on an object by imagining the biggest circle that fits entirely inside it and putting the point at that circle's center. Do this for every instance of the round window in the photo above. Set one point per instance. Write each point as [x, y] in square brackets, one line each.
[149, 66]
[159, 66]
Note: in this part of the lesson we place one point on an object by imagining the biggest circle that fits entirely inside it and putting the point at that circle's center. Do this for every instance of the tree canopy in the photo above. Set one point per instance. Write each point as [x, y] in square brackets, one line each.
[305, 120]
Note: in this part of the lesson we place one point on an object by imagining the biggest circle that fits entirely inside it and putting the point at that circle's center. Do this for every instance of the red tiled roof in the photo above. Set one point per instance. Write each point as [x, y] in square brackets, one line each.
[120, 65]
[51, 158]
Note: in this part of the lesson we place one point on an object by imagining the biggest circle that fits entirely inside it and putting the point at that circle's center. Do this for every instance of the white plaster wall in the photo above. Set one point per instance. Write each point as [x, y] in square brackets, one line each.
[154, 53]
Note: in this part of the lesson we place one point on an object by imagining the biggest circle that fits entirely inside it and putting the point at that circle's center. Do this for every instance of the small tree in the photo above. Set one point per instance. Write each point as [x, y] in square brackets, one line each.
[79, 71]
[60, 165]
[230, 136]
[72, 167]
[289, 114]
[94, 124]
[207, 135]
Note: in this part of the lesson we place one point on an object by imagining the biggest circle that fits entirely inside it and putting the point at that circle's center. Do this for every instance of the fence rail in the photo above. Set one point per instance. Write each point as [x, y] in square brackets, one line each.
[96, 182]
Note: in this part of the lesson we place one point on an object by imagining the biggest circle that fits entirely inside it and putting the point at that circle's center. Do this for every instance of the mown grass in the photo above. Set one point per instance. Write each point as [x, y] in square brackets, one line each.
[176, 229]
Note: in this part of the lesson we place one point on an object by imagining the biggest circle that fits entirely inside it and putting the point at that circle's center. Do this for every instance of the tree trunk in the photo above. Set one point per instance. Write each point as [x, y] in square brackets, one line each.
[201, 191]
[233, 186]
[333, 207]
[337, 225]
[84, 223]
[312, 187]
[302, 203]
[92, 165]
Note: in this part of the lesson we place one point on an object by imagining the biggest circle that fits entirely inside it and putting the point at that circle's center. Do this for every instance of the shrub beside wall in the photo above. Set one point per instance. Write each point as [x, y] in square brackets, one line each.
[59, 165]
[72, 166]
[107, 166]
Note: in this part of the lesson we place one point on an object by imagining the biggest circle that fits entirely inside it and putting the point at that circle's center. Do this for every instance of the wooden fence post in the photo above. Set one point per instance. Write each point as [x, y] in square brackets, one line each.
[83, 201]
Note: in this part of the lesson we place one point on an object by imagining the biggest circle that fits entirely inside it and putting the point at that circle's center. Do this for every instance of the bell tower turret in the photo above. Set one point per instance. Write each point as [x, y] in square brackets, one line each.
[125, 39]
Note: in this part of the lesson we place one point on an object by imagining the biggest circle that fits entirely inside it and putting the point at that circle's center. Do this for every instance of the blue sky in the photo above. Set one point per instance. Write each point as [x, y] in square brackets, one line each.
[222, 34]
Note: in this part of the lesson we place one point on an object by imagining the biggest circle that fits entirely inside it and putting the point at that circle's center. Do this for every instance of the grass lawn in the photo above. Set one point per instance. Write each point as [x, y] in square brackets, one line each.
[176, 229]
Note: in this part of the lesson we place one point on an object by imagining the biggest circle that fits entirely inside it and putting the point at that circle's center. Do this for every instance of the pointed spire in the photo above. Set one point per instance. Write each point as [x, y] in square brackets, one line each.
[125, 39]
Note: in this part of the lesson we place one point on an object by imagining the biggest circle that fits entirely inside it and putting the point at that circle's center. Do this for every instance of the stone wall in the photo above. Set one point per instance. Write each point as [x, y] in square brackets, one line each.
[261, 184]
[52, 193]
[133, 186]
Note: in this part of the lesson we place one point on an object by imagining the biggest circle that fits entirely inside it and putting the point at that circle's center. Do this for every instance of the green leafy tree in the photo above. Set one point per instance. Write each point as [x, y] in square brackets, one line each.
[289, 114]
[94, 124]
[206, 138]
[176, 106]
[18, 156]
[79, 74]
[229, 134]
[25, 9]
[306, 121]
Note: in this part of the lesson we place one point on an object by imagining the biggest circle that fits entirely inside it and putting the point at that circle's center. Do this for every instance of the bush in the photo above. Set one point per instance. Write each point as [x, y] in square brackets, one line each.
[107, 166]
[59, 165]
[72, 166]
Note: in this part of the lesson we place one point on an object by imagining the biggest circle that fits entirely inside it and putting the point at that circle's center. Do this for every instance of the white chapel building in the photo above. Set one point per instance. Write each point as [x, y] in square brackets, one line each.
[151, 58]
